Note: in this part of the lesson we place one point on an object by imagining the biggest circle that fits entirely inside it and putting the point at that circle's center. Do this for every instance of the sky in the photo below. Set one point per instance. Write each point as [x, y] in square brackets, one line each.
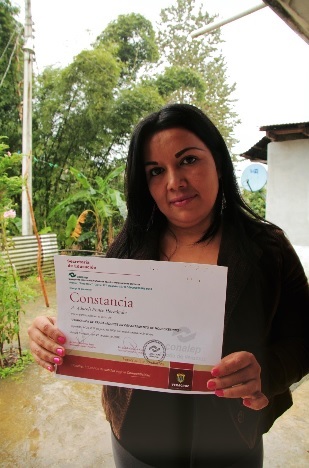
[266, 59]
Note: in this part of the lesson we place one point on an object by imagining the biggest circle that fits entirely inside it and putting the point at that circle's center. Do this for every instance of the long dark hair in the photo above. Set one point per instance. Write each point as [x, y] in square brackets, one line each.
[140, 235]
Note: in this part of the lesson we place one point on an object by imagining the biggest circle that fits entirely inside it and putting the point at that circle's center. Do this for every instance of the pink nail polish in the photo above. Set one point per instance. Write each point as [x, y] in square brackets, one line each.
[50, 368]
[60, 351]
[215, 372]
[61, 339]
[56, 360]
[211, 385]
[219, 393]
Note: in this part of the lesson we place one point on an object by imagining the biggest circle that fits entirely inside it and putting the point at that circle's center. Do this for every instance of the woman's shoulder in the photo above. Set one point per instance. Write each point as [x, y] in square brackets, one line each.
[277, 251]
[266, 234]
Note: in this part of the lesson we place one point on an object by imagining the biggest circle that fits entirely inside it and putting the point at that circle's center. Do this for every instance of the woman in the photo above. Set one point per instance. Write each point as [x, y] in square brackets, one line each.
[184, 205]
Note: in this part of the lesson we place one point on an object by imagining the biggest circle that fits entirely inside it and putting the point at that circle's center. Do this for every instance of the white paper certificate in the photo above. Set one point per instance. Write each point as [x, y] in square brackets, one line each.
[140, 324]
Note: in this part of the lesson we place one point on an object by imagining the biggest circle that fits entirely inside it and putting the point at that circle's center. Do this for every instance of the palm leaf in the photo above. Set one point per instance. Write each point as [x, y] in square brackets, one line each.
[81, 195]
[80, 177]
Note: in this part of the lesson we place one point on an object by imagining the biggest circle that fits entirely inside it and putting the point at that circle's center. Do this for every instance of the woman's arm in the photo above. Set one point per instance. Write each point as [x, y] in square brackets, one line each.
[286, 359]
[276, 315]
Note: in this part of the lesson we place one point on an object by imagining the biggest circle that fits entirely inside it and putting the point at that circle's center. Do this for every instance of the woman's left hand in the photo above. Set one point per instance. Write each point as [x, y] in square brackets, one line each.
[238, 375]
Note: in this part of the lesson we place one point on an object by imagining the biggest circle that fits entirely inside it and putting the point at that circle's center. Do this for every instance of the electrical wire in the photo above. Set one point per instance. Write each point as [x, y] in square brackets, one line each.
[10, 61]
[5, 49]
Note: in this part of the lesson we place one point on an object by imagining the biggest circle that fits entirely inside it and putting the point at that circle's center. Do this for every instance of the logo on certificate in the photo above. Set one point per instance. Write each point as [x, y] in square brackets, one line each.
[180, 379]
[154, 351]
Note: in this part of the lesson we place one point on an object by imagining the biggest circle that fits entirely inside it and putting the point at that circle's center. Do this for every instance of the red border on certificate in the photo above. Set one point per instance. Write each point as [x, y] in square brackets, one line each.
[173, 376]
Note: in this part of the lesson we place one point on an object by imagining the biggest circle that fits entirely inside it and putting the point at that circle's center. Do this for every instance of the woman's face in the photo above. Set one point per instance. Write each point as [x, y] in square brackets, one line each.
[182, 177]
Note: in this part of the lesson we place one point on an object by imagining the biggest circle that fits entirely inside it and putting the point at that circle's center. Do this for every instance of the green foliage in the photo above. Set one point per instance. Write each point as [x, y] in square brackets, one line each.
[70, 226]
[134, 40]
[17, 365]
[128, 108]
[46, 230]
[10, 293]
[176, 23]
[10, 185]
[9, 305]
[13, 295]
[11, 74]
[100, 199]
[84, 113]
[70, 125]
[201, 56]
[181, 84]
[256, 201]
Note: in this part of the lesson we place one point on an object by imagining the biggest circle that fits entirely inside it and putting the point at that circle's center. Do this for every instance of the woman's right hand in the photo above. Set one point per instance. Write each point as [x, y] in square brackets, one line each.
[46, 342]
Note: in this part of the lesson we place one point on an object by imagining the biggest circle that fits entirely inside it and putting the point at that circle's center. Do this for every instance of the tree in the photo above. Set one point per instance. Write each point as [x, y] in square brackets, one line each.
[69, 128]
[128, 108]
[84, 113]
[181, 84]
[11, 73]
[134, 39]
[201, 56]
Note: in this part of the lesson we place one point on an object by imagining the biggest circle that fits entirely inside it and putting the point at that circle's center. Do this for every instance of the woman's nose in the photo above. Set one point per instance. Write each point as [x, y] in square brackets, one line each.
[175, 180]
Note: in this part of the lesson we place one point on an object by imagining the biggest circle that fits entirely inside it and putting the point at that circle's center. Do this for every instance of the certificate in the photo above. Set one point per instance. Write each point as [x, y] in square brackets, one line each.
[140, 324]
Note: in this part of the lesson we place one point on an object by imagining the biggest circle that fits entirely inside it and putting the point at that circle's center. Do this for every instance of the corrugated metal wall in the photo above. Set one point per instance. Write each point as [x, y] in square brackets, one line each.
[24, 253]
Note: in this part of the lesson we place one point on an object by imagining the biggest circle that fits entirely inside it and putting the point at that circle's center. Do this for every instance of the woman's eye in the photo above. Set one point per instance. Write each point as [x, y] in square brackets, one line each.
[155, 171]
[189, 160]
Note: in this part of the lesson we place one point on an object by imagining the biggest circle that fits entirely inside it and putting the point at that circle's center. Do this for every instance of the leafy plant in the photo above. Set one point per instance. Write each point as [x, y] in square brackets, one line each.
[13, 295]
[101, 202]
[10, 184]
[16, 364]
[10, 296]
[11, 73]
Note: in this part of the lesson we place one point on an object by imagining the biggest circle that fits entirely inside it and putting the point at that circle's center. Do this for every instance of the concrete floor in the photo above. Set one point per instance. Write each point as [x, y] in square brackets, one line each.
[50, 423]
[286, 445]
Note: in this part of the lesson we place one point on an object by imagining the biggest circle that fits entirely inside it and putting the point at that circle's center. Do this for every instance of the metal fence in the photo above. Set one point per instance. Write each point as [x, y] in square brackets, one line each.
[24, 253]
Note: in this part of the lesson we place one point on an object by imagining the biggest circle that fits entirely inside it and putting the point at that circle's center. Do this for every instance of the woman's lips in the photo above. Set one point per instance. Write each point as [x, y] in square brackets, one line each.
[182, 201]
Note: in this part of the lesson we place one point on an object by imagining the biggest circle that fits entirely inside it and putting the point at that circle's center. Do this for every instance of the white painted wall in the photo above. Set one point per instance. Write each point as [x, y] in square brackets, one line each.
[287, 200]
[303, 253]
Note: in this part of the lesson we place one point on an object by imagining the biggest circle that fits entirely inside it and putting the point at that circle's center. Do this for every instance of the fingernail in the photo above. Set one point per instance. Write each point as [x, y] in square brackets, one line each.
[219, 393]
[246, 402]
[50, 368]
[215, 372]
[60, 351]
[56, 360]
[61, 339]
[211, 385]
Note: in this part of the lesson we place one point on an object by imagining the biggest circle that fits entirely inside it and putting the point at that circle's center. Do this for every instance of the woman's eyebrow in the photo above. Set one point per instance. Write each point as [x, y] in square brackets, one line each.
[181, 152]
[177, 155]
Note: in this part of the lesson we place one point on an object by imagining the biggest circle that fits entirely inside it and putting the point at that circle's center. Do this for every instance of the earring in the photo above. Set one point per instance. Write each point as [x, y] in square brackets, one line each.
[223, 202]
[151, 219]
[222, 196]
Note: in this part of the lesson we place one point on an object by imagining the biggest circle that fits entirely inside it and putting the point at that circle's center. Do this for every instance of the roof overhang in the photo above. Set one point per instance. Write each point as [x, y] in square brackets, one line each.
[282, 132]
[295, 13]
